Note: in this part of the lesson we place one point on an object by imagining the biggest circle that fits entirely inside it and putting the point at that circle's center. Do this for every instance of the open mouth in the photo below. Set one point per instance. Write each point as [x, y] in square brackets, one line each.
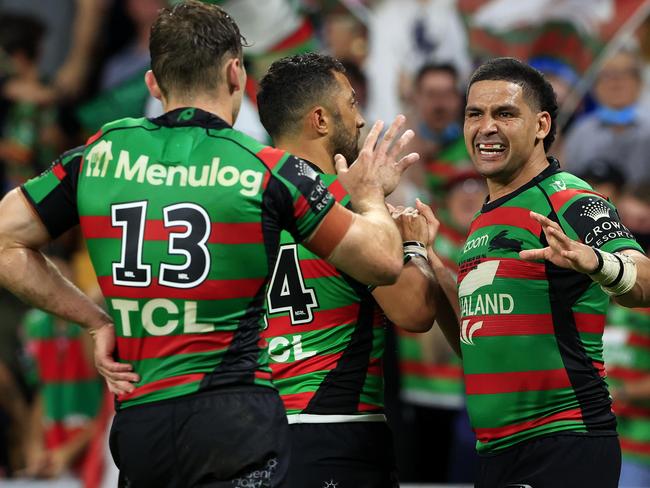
[490, 149]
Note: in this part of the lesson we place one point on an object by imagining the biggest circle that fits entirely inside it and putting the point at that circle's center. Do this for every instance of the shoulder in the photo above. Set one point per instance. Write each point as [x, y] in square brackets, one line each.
[563, 188]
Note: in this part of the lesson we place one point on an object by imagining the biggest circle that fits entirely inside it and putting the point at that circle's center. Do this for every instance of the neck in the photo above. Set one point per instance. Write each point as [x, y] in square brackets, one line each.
[312, 150]
[217, 105]
[534, 166]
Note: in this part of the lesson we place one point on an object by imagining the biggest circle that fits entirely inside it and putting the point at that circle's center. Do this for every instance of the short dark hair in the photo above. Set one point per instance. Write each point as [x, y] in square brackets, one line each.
[21, 33]
[293, 85]
[427, 68]
[537, 91]
[188, 44]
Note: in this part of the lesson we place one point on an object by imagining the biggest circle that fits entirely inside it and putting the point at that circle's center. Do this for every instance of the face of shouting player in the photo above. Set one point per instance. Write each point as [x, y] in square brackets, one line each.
[504, 133]
[347, 121]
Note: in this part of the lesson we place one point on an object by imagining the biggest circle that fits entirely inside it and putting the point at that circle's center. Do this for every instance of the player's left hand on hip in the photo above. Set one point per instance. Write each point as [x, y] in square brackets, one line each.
[119, 376]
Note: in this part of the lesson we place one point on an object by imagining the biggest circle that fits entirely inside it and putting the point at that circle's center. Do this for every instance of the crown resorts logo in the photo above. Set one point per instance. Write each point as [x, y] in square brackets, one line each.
[594, 209]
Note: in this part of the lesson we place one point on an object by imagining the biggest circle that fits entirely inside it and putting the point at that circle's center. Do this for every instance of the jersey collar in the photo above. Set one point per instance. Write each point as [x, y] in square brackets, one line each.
[552, 168]
[190, 116]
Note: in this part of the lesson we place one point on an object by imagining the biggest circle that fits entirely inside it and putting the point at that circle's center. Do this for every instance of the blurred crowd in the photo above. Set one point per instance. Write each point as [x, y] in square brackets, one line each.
[69, 66]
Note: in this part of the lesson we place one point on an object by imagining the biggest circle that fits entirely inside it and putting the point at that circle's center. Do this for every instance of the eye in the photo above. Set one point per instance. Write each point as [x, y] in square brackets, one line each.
[472, 114]
[505, 114]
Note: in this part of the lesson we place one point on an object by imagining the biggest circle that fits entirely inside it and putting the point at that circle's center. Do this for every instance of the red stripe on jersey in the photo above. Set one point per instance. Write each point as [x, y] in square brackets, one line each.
[592, 323]
[323, 319]
[635, 446]
[100, 227]
[208, 290]
[337, 190]
[627, 374]
[375, 367]
[161, 385]
[303, 34]
[94, 137]
[492, 383]
[638, 340]
[431, 370]
[320, 362]
[512, 324]
[368, 407]
[452, 234]
[511, 216]
[510, 268]
[297, 401]
[317, 268]
[59, 171]
[262, 375]
[62, 360]
[300, 207]
[600, 367]
[489, 434]
[270, 156]
[558, 199]
[137, 348]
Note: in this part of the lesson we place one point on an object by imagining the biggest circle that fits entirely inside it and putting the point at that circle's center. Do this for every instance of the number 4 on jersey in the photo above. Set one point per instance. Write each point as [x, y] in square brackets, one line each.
[287, 291]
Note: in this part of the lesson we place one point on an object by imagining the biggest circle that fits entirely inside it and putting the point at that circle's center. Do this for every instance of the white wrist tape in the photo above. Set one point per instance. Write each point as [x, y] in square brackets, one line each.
[415, 248]
[616, 273]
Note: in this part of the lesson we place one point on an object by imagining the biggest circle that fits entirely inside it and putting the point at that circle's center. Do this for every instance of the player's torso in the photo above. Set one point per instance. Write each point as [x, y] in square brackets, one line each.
[325, 336]
[169, 215]
[530, 332]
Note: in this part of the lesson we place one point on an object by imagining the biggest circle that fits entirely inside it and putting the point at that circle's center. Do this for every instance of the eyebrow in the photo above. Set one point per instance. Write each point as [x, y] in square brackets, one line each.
[506, 106]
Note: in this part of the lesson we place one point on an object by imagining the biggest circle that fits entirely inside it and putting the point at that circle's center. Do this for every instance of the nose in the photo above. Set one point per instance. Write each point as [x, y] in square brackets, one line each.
[360, 122]
[487, 125]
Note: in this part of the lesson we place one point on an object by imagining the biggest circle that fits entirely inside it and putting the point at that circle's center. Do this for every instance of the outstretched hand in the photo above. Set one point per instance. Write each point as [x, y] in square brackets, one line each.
[561, 250]
[119, 376]
[377, 168]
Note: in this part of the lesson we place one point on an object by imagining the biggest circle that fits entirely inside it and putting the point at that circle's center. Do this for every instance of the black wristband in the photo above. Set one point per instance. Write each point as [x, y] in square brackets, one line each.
[599, 256]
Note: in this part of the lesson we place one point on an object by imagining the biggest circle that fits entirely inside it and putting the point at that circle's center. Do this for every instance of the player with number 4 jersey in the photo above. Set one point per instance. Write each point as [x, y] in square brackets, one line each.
[182, 215]
[325, 328]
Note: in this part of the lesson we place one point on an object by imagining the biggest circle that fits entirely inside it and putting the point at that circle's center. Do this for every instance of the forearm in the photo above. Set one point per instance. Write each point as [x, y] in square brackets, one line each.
[448, 315]
[374, 260]
[409, 303]
[32, 277]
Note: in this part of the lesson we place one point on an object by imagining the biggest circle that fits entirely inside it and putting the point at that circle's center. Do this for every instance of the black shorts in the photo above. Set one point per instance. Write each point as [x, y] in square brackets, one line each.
[231, 437]
[342, 455]
[559, 461]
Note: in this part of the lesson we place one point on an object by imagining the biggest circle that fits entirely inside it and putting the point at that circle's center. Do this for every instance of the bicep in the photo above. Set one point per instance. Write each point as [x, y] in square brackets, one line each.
[20, 226]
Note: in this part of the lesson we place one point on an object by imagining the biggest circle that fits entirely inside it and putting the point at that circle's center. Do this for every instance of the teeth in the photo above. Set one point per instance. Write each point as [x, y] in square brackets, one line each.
[493, 147]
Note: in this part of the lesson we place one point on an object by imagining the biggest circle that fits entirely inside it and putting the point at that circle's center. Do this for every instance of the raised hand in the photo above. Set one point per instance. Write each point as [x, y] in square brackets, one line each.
[561, 250]
[377, 170]
[119, 376]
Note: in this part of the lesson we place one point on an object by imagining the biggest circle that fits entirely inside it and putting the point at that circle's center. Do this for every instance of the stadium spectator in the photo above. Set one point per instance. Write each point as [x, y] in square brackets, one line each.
[604, 177]
[617, 130]
[325, 331]
[531, 333]
[188, 315]
[403, 36]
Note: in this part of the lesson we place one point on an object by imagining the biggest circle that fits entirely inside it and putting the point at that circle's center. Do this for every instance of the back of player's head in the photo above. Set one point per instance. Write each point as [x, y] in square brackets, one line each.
[292, 86]
[189, 43]
[537, 91]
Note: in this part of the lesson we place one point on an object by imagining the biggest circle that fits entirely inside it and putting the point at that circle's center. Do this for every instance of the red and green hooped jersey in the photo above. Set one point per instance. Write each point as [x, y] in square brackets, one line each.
[325, 334]
[423, 382]
[531, 333]
[627, 354]
[182, 216]
[71, 389]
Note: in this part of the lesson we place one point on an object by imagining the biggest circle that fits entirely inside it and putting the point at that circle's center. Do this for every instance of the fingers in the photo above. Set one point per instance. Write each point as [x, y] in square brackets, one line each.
[533, 254]
[340, 163]
[119, 387]
[391, 133]
[373, 135]
[408, 160]
[390, 208]
[401, 143]
[426, 211]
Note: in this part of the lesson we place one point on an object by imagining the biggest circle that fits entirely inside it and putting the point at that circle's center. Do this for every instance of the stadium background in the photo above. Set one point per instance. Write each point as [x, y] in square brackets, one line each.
[68, 66]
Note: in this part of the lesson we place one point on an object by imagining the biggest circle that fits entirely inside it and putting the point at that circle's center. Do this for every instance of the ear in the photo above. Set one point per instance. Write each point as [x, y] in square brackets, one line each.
[235, 75]
[152, 85]
[543, 125]
[319, 120]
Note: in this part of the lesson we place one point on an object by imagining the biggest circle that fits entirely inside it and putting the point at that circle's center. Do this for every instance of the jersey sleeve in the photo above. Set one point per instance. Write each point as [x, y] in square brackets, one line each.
[303, 201]
[596, 223]
[53, 194]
